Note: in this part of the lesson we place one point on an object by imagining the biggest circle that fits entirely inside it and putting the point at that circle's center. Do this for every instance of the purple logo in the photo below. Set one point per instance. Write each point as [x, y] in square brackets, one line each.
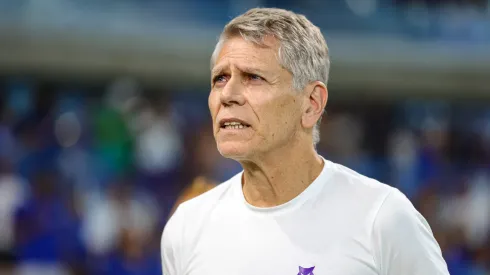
[306, 271]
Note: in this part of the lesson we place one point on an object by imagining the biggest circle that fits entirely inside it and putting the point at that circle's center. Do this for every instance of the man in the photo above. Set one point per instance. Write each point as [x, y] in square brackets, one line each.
[290, 211]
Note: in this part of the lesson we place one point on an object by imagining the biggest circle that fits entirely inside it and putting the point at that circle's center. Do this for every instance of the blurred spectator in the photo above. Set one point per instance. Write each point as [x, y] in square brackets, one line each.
[7, 139]
[341, 141]
[47, 229]
[468, 212]
[403, 159]
[75, 160]
[123, 210]
[13, 191]
[158, 141]
[112, 138]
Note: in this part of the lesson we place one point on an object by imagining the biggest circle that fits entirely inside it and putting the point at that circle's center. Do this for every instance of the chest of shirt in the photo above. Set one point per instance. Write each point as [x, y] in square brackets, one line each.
[279, 247]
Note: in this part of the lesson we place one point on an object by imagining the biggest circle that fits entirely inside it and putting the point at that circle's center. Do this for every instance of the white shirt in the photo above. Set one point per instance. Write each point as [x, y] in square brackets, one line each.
[343, 223]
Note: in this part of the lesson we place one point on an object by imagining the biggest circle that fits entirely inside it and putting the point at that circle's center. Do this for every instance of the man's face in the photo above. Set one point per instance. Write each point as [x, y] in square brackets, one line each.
[253, 105]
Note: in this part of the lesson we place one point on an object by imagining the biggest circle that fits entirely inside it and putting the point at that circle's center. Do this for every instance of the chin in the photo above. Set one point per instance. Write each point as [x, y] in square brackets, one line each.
[233, 150]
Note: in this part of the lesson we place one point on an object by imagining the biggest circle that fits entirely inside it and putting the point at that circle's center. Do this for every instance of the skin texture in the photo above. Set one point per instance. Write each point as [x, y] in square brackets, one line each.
[276, 150]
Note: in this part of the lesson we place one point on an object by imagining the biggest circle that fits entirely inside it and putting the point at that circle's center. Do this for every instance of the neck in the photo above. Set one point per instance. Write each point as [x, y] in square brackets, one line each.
[280, 176]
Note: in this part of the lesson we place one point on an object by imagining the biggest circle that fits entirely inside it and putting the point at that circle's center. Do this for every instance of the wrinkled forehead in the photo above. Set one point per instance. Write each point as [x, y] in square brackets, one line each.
[241, 53]
[268, 44]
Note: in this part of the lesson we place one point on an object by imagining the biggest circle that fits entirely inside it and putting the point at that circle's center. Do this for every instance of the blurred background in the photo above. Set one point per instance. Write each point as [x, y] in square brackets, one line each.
[104, 125]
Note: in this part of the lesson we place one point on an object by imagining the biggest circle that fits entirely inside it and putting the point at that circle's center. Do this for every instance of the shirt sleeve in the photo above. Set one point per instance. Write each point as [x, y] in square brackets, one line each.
[403, 240]
[171, 245]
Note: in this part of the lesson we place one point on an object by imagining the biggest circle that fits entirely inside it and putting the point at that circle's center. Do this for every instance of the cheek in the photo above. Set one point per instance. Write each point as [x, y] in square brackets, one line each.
[286, 111]
[279, 118]
[213, 104]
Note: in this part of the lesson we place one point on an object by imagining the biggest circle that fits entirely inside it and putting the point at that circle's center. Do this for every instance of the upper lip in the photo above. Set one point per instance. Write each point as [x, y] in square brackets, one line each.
[225, 120]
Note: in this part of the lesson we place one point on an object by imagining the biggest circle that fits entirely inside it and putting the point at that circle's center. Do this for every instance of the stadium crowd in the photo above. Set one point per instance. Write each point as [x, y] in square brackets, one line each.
[90, 175]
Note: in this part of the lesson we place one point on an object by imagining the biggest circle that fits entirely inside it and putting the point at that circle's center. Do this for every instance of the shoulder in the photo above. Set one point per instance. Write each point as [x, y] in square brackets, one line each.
[184, 226]
[206, 200]
[395, 207]
[388, 207]
[403, 240]
[397, 214]
[359, 196]
[357, 188]
[195, 209]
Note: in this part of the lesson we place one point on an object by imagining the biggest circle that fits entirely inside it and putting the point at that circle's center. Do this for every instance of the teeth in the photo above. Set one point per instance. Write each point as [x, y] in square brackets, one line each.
[234, 125]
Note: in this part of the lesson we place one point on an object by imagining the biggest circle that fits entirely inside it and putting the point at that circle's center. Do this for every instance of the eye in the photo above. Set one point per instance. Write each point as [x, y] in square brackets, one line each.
[219, 79]
[254, 77]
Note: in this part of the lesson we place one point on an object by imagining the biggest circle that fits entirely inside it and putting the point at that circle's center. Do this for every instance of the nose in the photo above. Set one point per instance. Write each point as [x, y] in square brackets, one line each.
[232, 93]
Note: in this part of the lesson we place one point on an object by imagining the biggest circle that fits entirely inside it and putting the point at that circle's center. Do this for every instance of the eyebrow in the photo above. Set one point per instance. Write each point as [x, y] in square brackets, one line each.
[245, 69]
[217, 70]
[251, 70]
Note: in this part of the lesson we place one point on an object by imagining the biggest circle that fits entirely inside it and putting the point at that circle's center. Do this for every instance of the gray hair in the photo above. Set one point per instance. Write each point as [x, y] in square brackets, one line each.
[303, 50]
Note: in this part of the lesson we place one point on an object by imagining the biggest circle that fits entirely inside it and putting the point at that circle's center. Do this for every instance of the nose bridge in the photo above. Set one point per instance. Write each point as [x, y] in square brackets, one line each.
[232, 92]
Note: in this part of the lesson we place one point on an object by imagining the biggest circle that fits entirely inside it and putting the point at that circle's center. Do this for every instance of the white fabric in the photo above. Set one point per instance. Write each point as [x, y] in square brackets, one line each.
[343, 223]
[12, 195]
[106, 218]
[159, 146]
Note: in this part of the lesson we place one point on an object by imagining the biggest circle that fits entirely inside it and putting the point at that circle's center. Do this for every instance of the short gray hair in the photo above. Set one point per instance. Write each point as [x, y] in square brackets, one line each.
[303, 50]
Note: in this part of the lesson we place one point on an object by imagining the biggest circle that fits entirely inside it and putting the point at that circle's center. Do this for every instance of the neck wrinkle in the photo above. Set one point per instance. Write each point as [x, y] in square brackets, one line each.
[277, 179]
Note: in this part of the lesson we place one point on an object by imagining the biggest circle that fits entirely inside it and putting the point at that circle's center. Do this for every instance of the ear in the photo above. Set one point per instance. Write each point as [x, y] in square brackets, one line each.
[316, 99]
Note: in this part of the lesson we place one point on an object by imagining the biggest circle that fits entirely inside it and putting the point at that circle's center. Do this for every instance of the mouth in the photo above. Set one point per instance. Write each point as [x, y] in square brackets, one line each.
[232, 124]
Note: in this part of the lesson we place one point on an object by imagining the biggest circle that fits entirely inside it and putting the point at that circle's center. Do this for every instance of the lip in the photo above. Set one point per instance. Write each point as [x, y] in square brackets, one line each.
[225, 120]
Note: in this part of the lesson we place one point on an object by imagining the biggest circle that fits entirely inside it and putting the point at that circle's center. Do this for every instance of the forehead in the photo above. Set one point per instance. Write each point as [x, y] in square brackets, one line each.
[238, 52]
